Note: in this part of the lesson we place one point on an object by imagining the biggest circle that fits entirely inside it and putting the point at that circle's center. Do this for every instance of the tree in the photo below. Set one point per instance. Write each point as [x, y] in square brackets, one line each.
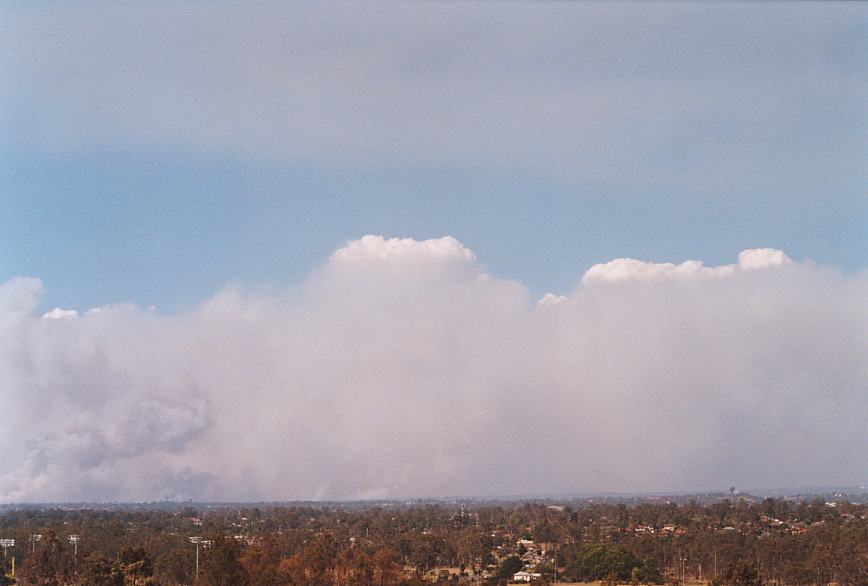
[313, 565]
[95, 570]
[319, 558]
[221, 566]
[740, 573]
[386, 568]
[175, 564]
[509, 566]
[356, 568]
[49, 565]
[592, 562]
[135, 564]
[261, 562]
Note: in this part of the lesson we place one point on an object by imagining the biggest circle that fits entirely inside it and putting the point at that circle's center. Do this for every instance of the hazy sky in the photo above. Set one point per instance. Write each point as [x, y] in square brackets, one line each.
[203, 175]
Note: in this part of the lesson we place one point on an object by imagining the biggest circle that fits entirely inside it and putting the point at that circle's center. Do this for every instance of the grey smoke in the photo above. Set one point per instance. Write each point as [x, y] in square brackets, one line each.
[399, 368]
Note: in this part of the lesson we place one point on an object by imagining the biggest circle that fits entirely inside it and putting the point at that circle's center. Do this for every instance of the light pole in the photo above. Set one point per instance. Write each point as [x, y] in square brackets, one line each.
[196, 541]
[6, 544]
[74, 539]
[34, 537]
[682, 559]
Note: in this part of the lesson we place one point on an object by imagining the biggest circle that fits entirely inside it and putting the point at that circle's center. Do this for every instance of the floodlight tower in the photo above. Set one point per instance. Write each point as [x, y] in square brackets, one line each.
[74, 539]
[6, 544]
[196, 540]
[34, 537]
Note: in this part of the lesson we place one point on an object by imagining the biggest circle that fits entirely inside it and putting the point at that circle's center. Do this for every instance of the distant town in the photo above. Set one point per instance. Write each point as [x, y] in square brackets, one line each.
[725, 539]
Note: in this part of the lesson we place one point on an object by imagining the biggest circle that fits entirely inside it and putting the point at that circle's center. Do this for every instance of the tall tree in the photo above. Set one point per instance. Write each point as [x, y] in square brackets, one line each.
[96, 570]
[221, 565]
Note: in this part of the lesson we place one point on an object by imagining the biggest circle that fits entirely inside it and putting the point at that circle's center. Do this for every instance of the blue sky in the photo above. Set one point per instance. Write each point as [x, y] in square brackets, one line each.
[153, 154]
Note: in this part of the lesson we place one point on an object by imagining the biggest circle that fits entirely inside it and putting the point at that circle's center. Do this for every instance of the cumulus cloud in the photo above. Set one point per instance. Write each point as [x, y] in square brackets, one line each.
[627, 269]
[377, 248]
[761, 258]
[60, 313]
[400, 368]
[551, 299]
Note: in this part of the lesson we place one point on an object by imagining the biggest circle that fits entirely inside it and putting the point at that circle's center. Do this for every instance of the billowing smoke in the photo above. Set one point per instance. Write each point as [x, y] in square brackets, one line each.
[399, 368]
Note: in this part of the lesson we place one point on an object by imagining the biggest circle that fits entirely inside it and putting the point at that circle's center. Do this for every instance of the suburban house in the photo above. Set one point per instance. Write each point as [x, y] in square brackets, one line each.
[526, 577]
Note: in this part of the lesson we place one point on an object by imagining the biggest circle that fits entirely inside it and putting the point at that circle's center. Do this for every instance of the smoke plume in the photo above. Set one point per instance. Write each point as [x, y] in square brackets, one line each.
[400, 368]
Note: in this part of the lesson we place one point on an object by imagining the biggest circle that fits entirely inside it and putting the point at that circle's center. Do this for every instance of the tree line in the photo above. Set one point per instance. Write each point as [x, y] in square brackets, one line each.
[749, 542]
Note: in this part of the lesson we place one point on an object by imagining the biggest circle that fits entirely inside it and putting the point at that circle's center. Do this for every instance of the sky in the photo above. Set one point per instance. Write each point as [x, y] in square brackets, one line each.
[391, 250]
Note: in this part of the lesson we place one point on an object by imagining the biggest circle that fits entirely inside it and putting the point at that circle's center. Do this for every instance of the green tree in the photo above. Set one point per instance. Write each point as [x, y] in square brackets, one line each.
[509, 566]
[740, 573]
[136, 564]
[261, 562]
[95, 570]
[357, 568]
[592, 562]
[386, 567]
[49, 565]
[221, 566]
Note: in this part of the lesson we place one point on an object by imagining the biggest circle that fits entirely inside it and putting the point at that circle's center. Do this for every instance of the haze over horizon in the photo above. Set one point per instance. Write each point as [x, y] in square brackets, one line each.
[412, 250]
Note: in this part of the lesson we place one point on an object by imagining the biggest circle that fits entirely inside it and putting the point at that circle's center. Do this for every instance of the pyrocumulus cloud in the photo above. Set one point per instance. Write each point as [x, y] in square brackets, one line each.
[400, 368]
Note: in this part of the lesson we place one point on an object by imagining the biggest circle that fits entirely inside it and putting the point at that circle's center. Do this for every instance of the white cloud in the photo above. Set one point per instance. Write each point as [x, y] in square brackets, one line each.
[400, 368]
[762, 258]
[59, 313]
[629, 269]
[551, 299]
[377, 248]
